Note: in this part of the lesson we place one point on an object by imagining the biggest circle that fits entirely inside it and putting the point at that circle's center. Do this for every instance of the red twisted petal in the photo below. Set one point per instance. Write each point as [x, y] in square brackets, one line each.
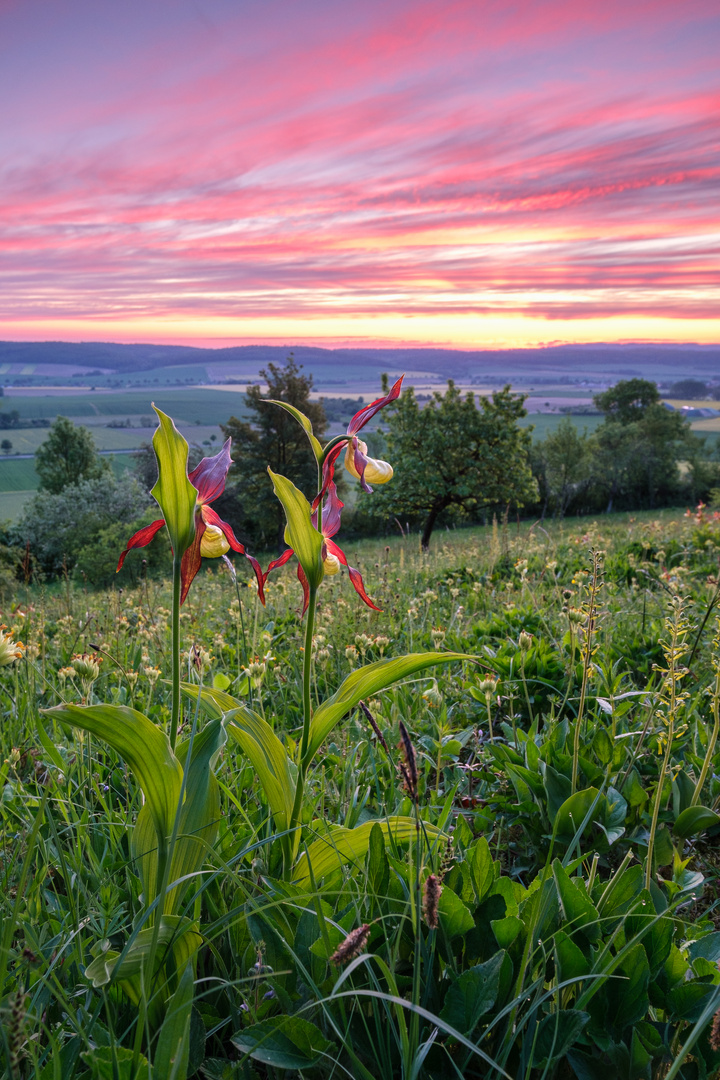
[141, 539]
[354, 575]
[305, 587]
[191, 560]
[211, 517]
[361, 418]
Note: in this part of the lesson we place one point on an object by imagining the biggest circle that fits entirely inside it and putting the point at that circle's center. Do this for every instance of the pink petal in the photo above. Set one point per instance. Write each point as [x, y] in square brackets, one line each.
[305, 588]
[209, 476]
[141, 539]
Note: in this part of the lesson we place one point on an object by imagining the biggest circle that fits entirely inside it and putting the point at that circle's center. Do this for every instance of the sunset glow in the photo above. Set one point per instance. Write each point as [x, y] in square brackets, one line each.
[464, 174]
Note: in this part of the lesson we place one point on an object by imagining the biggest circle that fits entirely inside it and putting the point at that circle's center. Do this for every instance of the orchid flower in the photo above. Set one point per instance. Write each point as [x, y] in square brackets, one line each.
[332, 555]
[358, 464]
[213, 537]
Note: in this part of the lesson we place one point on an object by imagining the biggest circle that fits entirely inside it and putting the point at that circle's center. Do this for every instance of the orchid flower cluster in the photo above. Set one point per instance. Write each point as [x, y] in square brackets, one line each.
[197, 531]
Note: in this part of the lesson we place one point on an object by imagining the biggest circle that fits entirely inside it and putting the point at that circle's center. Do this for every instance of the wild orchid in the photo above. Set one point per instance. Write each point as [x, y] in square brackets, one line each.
[213, 537]
[332, 555]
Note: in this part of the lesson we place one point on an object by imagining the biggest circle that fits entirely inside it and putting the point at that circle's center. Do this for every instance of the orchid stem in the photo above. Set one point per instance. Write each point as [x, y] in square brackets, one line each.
[175, 714]
[307, 669]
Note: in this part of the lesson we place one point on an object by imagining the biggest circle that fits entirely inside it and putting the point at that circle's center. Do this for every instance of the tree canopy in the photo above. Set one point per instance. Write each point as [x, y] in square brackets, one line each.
[457, 453]
[67, 456]
[272, 438]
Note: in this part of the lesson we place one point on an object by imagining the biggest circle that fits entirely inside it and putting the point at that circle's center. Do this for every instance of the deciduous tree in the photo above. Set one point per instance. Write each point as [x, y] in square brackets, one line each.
[67, 456]
[457, 453]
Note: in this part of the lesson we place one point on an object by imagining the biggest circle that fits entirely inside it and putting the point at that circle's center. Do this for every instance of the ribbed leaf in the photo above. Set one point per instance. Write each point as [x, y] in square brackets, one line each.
[300, 533]
[341, 847]
[215, 703]
[173, 492]
[198, 824]
[144, 747]
[305, 424]
[366, 682]
[173, 1045]
[179, 934]
[269, 758]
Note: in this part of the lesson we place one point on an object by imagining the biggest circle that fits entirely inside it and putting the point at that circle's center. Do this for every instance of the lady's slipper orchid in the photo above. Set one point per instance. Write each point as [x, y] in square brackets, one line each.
[358, 464]
[332, 555]
[213, 536]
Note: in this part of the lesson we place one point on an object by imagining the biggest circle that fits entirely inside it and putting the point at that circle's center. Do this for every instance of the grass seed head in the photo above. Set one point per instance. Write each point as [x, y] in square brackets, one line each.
[352, 946]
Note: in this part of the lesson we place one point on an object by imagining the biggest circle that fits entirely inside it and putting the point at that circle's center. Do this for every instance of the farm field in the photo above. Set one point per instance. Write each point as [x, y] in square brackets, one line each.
[502, 862]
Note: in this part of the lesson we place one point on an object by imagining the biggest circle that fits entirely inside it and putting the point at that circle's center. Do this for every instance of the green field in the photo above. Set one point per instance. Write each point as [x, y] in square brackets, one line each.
[191, 405]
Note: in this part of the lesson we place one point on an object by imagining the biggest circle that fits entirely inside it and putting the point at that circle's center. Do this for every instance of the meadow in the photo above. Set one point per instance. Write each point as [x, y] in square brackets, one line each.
[502, 860]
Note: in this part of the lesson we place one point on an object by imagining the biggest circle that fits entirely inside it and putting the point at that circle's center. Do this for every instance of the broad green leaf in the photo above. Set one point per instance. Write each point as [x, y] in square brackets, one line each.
[558, 789]
[172, 934]
[284, 1042]
[304, 423]
[574, 810]
[694, 820]
[558, 1032]
[570, 959]
[455, 917]
[472, 995]
[300, 533]
[628, 1001]
[144, 747]
[366, 682]
[198, 824]
[506, 930]
[173, 492]
[341, 847]
[276, 772]
[577, 908]
[173, 1045]
[478, 871]
[213, 701]
[114, 1063]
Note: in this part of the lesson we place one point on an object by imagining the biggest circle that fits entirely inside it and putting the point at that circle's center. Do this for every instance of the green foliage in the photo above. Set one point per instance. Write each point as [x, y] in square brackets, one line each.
[455, 453]
[59, 526]
[67, 457]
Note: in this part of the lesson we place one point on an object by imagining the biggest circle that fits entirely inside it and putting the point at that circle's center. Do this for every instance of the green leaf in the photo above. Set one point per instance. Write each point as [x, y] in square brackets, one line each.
[506, 930]
[694, 820]
[173, 1045]
[577, 908]
[284, 1042]
[175, 932]
[558, 789]
[304, 423]
[628, 999]
[558, 1032]
[478, 869]
[213, 701]
[341, 847]
[472, 995]
[455, 917]
[300, 533]
[220, 681]
[144, 747]
[570, 958]
[276, 772]
[603, 747]
[114, 1063]
[173, 492]
[378, 867]
[366, 682]
[574, 810]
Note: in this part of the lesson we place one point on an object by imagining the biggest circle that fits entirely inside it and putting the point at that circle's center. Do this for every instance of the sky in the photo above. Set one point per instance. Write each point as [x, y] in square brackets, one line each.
[470, 174]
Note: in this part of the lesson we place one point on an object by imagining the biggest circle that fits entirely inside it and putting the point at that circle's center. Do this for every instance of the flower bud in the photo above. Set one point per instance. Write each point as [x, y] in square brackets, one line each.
[525, 640]
[10, 650]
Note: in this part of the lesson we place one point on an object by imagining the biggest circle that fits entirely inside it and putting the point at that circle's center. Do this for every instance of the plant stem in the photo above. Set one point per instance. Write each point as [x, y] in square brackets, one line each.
[711, 743]
[175, 714]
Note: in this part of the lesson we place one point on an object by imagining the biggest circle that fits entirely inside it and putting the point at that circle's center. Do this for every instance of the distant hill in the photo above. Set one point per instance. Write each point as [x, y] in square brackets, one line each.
[563, 363]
